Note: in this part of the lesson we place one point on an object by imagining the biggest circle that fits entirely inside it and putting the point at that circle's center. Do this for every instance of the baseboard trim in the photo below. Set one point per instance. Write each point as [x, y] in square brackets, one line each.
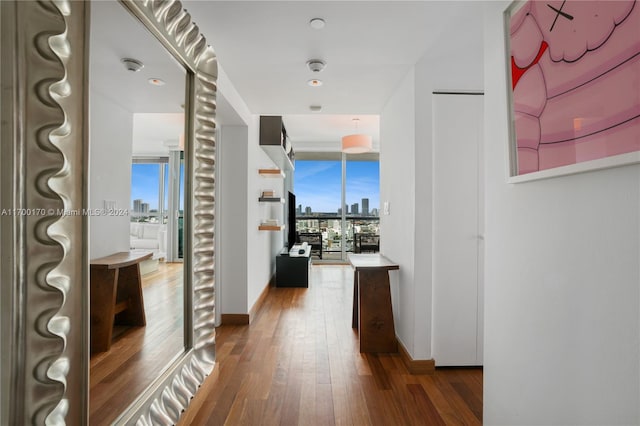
[416, 367]
[261, 299]
[234, 319]
[245, 319]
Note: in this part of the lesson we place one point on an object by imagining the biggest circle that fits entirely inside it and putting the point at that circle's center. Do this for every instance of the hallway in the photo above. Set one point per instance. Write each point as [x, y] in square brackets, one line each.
[298, 364]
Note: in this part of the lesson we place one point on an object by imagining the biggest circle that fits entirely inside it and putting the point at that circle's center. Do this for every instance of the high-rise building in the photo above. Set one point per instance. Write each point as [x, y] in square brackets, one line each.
[137, 206]
[299, 210]
[307, 210]
[365, 207]
[144, 208]
[354, 208]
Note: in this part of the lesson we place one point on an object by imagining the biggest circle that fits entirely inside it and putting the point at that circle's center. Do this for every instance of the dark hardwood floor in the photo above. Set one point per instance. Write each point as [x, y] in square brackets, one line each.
[298, 363]
[139, 354]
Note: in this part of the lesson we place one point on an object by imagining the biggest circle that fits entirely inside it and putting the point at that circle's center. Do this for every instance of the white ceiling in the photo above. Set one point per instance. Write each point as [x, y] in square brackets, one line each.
[368, 46]
[157, 110]
[263, 47]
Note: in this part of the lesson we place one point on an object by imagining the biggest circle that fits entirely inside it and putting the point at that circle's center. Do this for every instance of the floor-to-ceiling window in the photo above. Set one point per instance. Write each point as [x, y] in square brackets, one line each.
[148, 190]
[320, 188]
[157, 188]
[362, 195]
[318, 185]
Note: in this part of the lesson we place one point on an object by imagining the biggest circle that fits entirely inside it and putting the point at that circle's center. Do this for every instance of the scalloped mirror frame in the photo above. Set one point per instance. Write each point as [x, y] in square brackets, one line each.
[43, 251]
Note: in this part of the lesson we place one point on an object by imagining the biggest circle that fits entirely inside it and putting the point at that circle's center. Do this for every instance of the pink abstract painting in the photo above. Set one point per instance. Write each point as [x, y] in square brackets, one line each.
[575, 80]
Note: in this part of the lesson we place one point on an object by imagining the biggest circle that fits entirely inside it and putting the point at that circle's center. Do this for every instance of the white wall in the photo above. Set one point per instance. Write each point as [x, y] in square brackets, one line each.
[263, 245]
[397, 153]
[109, 174]
[405, 162]
[562, 317]
[231, 206]
[246, 256]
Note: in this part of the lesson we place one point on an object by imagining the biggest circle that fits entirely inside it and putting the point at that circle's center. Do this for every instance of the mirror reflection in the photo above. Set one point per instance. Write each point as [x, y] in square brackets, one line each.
[136, 202]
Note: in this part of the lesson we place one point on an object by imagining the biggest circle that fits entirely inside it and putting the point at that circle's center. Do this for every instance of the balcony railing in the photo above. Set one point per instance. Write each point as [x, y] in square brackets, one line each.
[357, 229]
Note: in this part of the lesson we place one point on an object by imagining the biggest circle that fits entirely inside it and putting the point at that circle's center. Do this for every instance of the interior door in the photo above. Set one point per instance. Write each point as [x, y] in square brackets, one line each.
[457, 229]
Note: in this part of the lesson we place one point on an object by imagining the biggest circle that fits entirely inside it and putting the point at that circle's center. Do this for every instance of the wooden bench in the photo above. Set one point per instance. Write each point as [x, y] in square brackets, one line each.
[116, 295]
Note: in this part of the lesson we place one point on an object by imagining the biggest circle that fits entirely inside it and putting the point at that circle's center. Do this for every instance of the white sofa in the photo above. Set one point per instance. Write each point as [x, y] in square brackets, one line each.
[149, 236]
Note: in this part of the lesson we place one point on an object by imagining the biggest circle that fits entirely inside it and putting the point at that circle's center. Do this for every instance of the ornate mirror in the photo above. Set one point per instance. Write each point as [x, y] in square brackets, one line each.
[45, 173]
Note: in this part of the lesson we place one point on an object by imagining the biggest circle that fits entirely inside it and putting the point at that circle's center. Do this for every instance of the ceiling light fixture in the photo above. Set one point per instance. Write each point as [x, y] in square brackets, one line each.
[132, 65]
[316, 65]
[317, 23]
[314, 82]
[315, 108]
[356, 143]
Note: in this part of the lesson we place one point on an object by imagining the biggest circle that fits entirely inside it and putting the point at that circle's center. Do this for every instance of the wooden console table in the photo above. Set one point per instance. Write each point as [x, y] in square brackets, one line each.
[372, 311]
[116, 295]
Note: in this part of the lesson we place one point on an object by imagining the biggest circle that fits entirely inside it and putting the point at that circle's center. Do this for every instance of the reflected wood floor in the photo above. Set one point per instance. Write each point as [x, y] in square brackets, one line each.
[139, 354]
[298, 363]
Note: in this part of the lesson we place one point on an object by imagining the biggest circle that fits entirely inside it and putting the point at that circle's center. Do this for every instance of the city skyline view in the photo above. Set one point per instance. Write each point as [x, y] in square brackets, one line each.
[145, 180]
[317, 184]
[144, 183]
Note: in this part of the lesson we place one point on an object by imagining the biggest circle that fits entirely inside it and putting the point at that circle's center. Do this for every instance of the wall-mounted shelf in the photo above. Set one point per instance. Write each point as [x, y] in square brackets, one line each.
[271, 200]
[275, 142]
[271, 173]
[270, 227]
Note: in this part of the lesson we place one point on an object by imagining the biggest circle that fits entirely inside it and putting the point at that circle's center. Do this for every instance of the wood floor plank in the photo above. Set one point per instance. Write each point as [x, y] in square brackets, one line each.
[454, 399]
[428, 411]
[298, 363]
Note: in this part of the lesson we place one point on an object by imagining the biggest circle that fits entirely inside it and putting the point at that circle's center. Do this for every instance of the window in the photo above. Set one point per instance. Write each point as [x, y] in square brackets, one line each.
[362, 195]
[320, 189]
[157, 188]
[147, 190]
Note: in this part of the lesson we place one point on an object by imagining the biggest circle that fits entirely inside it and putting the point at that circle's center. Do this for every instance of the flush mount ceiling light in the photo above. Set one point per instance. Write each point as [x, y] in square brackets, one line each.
[314, 82]
[156, 81]
[316, 65]
[356, 143]
[132, 65]
[317, 23]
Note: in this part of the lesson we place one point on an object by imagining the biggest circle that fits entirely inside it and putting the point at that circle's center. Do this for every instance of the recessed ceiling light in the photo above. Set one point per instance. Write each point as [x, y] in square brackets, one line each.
[317, 23]
[314, 83]
[315, 108]
[156, 81]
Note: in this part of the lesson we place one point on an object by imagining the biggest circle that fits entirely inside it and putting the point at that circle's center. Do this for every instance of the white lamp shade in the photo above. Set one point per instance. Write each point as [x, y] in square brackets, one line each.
[356, 144]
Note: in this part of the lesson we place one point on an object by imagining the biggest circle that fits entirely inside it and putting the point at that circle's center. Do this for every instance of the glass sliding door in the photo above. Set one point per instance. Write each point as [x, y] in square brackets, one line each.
[148, 176]
[175, 203]
[362, 194]
[318, 189]
[157, 196]
[338, 196]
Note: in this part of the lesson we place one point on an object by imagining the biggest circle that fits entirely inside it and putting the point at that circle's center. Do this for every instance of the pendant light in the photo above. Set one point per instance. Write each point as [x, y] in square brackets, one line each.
[356, 143]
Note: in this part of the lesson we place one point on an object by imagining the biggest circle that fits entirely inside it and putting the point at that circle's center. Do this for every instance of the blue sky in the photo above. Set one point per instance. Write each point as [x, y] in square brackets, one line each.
[317, 184]
[144, 184]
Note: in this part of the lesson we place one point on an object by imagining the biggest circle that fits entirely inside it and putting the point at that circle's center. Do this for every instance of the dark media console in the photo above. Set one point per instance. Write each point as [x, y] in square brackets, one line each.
[293, 271]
